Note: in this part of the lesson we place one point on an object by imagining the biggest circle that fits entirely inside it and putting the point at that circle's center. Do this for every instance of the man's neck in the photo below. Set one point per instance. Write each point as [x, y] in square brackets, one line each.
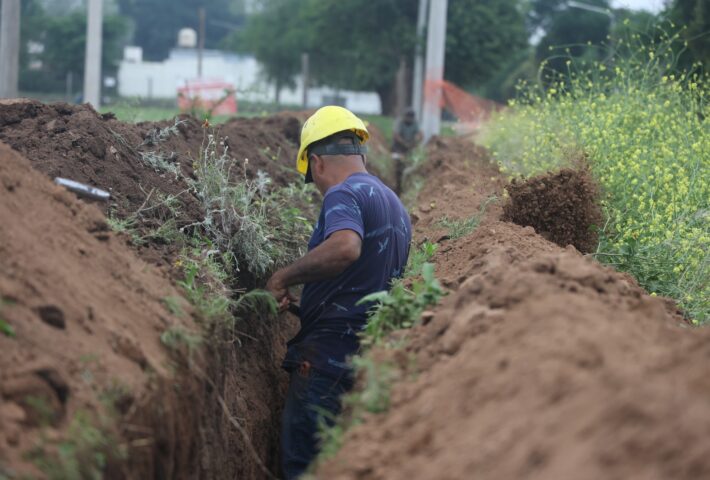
[344, 172]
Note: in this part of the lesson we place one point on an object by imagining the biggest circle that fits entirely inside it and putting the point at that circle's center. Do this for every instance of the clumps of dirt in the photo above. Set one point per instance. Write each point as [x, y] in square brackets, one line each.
[82, 353]
[561, 206]
[131, 160]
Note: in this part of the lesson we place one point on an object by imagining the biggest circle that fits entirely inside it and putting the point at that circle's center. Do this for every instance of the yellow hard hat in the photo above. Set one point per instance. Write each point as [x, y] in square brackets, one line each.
[324, 123]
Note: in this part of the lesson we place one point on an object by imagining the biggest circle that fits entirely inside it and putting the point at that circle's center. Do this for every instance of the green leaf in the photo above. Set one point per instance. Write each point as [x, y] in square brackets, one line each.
[374, 297]
[6, 328]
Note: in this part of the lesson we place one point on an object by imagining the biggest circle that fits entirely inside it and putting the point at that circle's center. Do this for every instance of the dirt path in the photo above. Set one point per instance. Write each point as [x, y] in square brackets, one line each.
[540, 364]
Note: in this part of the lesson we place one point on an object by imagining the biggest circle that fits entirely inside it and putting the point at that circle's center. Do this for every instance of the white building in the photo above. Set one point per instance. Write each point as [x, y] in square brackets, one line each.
[137, 78]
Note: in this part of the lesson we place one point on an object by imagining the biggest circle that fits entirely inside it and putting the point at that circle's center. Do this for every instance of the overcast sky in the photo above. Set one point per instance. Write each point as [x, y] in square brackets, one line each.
[651, 5]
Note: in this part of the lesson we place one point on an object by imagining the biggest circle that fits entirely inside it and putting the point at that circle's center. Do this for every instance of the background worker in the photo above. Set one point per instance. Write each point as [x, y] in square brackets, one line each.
[360, 243]
[406, 136]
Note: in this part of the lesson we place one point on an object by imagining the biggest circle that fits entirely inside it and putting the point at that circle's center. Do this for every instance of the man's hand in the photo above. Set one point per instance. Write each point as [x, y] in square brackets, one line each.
[279, 289]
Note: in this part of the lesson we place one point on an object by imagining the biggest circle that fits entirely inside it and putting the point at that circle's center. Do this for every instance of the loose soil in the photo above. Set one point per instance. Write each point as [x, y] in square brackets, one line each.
[88, 313]
[540, 363]
[563, 207]
[75, 142]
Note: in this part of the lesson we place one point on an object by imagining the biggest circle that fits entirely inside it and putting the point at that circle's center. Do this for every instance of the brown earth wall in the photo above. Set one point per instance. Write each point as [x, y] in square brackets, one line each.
[88, 307]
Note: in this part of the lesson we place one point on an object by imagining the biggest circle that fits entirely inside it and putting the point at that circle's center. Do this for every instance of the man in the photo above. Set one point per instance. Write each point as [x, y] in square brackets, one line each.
[406, 136]
[360, 243]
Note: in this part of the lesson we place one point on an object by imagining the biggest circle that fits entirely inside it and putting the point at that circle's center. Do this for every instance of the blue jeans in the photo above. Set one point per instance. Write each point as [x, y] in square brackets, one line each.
[310, 394]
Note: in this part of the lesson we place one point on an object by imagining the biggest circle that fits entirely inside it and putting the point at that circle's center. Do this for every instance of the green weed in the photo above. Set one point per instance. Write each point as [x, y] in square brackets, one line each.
[178, 338]
[41, 407]
[204, 285]
[236, 218]
[166, 233]
[418, 257]
[159, 135]
[161, 162]
[173, 306]
[400, 307]
[5, 327]
[127, 226]
[83, 454]
[466, 226]
[259, 227]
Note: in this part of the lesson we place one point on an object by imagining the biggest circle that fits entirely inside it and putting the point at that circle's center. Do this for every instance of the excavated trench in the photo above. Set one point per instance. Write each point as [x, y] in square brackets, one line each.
[540, 363]
[87, 384]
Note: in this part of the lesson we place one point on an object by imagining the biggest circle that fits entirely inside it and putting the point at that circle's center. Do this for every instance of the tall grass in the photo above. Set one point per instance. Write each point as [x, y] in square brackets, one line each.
[643, 129]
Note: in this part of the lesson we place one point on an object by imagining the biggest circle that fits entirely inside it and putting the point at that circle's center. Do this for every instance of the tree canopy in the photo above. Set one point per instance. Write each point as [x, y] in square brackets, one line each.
[63, 38]
[157, 22]
[694, 15]
[353, 45]
[571, 32]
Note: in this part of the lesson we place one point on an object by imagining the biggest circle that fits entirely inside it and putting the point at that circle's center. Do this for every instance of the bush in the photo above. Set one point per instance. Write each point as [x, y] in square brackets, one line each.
[643, 130]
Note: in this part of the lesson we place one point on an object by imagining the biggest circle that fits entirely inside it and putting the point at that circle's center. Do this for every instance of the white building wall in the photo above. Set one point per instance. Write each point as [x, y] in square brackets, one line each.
[161, 80]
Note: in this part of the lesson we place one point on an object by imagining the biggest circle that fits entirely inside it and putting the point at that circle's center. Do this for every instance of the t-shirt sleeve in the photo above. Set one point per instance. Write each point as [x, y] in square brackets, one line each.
[342, 212]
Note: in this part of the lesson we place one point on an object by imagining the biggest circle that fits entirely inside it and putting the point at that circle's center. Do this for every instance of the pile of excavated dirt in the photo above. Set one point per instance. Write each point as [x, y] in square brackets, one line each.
[85, 317]
[75, 142]
[562, 206]
[540, 364]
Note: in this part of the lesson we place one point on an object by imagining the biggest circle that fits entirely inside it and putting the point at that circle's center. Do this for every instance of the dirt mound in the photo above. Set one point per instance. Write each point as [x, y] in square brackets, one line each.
[563, 207]
[460, 178]
[542, 364]
[146, 167]
[83, 320]
[75, 141]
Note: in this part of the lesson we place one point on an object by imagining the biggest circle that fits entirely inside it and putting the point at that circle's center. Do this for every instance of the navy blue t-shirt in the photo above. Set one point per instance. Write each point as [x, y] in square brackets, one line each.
[330, 316]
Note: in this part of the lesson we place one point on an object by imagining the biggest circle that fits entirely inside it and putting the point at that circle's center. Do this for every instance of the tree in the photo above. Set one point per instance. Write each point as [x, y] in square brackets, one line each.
[356, 45]
[157, 22]
[573, 33]
[63, 38]
[279, 54]
[482, 37]
[694, 15]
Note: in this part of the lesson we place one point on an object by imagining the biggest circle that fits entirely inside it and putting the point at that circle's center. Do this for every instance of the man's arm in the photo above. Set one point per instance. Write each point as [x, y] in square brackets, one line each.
[327, 260]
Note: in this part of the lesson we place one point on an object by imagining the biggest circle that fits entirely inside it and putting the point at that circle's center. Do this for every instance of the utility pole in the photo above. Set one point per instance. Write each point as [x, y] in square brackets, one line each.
[419, 60]
[201, 42]
[305, 74]
[92, 60]
[401, 87]
[9, 48]
[435, 50]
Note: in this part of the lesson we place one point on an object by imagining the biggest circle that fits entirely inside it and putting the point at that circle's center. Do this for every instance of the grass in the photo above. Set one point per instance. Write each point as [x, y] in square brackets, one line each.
[178, 338]
[400, 307]
[418, 257]
[462, 227]
[643, 129]
[5, 327]
[383, 123]
[83, 453]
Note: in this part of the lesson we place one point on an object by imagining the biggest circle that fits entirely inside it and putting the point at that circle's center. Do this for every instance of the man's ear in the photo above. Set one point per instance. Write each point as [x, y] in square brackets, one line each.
[316, 164]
